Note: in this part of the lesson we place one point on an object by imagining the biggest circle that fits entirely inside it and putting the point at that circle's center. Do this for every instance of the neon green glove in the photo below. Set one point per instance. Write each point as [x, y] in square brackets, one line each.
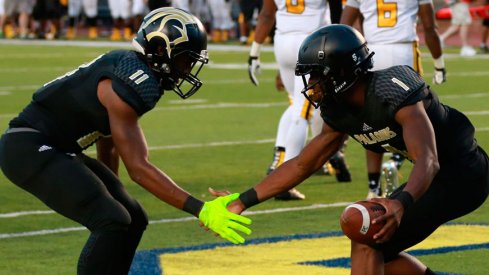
[215, 216]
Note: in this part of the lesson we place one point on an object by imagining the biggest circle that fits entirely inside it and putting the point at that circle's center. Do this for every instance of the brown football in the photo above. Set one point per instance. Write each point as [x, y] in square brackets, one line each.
[356, 221]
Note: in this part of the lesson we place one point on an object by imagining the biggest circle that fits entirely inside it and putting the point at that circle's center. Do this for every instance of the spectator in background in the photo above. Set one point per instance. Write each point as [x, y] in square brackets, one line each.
[139, 9]
[48, 13]
[221, 20]
[245, 20]
[74, 10]
[461, 20]
[2, 18]
[485, 32]
[181, 4]
[120, 10]
[24, 10]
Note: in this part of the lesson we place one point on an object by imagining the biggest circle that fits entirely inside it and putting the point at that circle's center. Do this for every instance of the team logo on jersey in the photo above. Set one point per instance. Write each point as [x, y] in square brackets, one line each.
[375, 137]
[179, 16]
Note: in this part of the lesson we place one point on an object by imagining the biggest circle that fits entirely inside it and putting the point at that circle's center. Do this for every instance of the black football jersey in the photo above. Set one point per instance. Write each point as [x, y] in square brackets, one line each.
[67, 109]
[374, 125]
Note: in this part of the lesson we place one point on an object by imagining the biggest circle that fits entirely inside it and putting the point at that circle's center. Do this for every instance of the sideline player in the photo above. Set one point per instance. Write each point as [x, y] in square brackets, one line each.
[390, 30]
[294, 21]
[90, 7]
[407, 115]
[41, 152]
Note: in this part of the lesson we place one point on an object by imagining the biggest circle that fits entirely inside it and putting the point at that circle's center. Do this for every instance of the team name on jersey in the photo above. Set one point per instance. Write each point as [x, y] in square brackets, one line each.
[375, 137]
[89, 139]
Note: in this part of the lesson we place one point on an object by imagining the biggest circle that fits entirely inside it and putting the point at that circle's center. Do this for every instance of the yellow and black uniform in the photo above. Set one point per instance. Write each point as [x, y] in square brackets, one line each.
[462, 183]
[48, 137]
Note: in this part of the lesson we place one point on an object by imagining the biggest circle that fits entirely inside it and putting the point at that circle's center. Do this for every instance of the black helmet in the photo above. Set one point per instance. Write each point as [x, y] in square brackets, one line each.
[338, 54]
[173, 42]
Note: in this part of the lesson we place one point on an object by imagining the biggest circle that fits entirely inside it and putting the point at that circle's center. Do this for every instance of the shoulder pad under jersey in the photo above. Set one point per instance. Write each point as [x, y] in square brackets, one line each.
[136, 83]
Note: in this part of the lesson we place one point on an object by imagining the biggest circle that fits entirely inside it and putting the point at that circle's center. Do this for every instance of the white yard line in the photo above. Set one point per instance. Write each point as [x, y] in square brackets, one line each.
[175, 220]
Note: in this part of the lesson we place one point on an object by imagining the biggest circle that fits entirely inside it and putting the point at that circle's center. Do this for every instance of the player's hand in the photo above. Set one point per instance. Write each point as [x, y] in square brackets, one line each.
[439, 75]
[215, 216]
[254, 69]
[279, 85]
[235, 206]
[392, 219]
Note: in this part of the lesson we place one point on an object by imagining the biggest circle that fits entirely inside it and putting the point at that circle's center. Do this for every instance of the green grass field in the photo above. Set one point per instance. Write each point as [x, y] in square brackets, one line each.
[221, 137]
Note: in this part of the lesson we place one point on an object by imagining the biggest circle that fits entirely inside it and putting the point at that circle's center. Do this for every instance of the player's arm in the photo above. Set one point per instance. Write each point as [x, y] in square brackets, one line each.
[265, 23]
[432, 38]
[107, 154]
[293, 171]
[131, 145]
[349, 15]
[419, 137]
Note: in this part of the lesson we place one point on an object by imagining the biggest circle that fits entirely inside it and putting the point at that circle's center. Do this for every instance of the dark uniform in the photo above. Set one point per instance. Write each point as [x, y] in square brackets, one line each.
[64, 118]
[462, 183]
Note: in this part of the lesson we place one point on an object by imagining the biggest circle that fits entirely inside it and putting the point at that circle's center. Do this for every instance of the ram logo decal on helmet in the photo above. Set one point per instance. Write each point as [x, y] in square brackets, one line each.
[182, 17]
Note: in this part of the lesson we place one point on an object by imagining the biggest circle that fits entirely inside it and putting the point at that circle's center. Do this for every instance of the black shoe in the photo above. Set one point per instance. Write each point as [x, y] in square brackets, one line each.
[342, 172]
[292, 194]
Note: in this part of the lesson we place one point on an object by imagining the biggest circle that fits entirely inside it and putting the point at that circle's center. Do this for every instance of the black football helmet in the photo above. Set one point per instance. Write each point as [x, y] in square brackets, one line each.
[338, 54]
[174, 43]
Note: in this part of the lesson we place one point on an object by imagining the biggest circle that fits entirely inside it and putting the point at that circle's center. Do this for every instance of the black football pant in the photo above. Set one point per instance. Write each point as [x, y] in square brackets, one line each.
[82, 189]
[456, 190]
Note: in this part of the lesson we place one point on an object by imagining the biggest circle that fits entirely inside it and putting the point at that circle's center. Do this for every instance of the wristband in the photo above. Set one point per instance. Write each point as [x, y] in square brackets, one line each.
[439, 62]
[255, 49]
[192, 206]
[406, 199]
[249, 198]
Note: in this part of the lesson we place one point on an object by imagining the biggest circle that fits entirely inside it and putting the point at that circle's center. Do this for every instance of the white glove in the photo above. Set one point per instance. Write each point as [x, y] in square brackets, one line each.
[439, 76]
[254, 69]
[254, 63]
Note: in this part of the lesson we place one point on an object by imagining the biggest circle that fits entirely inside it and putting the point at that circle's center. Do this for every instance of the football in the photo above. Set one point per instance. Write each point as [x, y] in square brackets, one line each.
[356, 221]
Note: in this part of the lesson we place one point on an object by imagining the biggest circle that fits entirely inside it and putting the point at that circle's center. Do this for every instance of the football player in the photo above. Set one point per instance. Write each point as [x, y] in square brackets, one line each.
[405, 116]
[390, 30]
[294, 21]
[101, 102]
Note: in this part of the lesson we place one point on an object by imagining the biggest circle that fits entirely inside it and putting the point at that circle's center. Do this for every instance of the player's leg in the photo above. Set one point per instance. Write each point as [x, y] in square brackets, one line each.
[91, 9]
[285, 49]
[374, 162]
[65, 184]
[74, 9]
[139, 219]
[406, 264]
[437, 206]
[484, 34]
[279, 148]
[365, 259]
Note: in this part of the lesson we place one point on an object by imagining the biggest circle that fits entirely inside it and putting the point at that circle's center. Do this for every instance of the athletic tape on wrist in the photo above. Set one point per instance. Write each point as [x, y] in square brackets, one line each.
[249, 198]
[193, 206]
[255, 49]
[406, 199]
